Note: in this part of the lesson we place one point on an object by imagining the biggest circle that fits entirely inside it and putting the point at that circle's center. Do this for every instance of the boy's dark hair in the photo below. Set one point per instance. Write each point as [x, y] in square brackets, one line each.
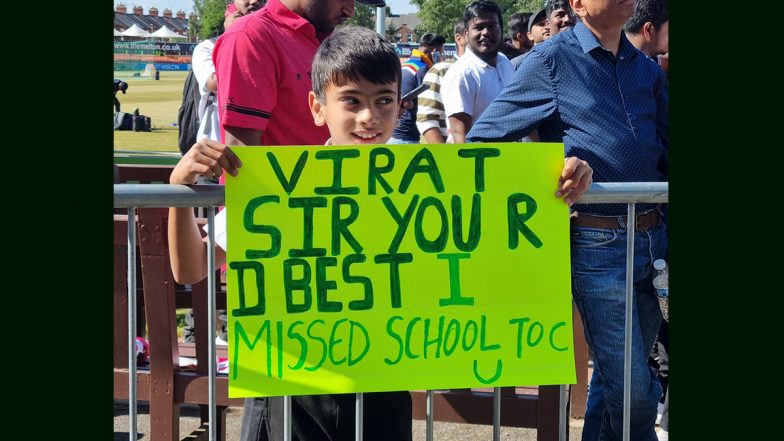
[518, 22]
[459, 27]
[431, 39]
[353, 53]
[552, 5]
[483, 7]
[655, 11]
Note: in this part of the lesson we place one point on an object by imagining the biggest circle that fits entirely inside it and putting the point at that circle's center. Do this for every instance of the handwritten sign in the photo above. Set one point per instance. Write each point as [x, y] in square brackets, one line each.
[397, 268]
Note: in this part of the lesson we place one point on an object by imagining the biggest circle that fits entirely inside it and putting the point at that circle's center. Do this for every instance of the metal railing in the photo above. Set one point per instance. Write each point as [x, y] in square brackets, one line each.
[133, 196]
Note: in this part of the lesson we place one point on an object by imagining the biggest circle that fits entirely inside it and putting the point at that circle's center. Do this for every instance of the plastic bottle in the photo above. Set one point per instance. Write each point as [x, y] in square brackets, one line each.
[662, 284]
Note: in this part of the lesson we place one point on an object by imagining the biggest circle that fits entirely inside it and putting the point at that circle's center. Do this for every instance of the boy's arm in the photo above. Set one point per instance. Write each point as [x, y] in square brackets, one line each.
[430, 113]
[187, 252]
[433, 136]
[460, 124]
[243, 136]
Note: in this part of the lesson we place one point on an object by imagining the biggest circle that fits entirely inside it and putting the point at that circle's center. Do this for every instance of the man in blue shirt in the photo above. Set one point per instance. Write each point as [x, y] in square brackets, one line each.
[589, 88]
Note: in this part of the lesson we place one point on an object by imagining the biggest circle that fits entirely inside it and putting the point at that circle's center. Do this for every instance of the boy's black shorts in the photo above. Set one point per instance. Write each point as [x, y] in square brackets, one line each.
[387, 416]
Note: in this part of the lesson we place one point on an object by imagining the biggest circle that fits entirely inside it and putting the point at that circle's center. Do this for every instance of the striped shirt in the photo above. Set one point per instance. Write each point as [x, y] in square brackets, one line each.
[430, 105]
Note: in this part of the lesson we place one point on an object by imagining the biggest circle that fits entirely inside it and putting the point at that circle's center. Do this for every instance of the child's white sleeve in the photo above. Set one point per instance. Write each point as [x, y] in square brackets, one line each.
[220, 229]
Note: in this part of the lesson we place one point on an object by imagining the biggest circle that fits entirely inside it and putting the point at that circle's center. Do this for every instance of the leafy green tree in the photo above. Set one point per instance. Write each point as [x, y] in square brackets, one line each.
[194, 26]
[211, 17]
[391, 29]
[364, 16]
[440, 15]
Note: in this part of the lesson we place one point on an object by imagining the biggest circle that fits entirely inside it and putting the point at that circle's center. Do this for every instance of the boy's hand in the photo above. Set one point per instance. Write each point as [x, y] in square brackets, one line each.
[575, 180]
[206, 158]
[404, 105]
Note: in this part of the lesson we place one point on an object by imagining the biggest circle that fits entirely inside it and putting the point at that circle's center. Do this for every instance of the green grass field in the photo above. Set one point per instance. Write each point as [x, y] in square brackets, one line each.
[160, 100]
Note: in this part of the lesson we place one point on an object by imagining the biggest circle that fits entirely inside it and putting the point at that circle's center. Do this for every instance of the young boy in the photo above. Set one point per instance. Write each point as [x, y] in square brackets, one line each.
[356, 93]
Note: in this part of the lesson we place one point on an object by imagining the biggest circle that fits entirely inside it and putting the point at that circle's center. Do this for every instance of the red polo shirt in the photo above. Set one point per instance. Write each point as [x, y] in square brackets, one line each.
[262, 64]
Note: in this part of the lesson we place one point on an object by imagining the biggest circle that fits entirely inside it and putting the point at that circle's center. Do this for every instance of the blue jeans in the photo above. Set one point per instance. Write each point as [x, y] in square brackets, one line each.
[599, 290]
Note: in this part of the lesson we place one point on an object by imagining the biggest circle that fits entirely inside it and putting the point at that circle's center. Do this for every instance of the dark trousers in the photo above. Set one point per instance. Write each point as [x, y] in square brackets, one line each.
[387, 416]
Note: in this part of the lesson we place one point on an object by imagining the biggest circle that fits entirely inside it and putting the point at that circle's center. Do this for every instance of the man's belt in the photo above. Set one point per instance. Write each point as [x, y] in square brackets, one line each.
[643, 221]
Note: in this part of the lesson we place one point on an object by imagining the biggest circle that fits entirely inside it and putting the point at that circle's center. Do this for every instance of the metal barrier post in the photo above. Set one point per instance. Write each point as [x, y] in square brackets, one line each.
[211, 359]
[131, 324]
[429, 423]
[563, 422]
[627, 342]
[359, 416]
[287, 418]
[496, 414]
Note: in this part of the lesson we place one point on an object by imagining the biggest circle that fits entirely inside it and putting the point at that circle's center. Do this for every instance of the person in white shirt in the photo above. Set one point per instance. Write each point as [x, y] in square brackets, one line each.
[477, 77]
[204, 70]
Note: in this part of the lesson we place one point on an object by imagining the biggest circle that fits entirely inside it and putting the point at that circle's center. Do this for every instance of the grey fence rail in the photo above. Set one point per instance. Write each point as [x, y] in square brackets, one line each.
[131, 196]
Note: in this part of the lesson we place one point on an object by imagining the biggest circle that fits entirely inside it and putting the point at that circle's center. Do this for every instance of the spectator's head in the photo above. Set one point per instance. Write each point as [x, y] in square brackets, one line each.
[356, 87]
[560, 16]
[518, 31]
[603, 14]
[484, 28]
[237, 9]
[538, 27]
[649, 28]
[460, 37]
[245, 7]
[120, 86]
[431, 42]
[324, 15]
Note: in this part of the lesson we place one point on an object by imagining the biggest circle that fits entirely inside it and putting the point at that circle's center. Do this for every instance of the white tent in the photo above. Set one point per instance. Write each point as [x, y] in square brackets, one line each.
[165, 32]
[135, 31]
[117, 33]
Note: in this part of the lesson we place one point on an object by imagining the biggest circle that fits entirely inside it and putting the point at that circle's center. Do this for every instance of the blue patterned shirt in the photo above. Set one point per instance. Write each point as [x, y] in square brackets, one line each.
[610, 111]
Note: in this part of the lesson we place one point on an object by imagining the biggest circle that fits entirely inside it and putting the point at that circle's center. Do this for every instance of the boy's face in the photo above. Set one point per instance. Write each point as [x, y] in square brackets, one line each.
[357, 112]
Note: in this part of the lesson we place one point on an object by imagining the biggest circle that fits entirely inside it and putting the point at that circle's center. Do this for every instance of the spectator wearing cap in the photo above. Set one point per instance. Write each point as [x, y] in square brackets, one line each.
[559, 16]
[414, 70]
[538, 31]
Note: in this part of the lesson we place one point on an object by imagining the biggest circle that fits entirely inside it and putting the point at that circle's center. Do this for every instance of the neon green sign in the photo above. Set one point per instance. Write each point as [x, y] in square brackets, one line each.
[397, 268]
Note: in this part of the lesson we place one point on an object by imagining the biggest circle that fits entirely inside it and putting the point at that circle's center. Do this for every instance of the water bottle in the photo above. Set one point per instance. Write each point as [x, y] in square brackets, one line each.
[662, 284]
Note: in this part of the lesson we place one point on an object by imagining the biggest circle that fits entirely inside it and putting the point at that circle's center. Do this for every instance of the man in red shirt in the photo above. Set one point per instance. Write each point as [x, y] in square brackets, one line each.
[266, 56]
[262, 65]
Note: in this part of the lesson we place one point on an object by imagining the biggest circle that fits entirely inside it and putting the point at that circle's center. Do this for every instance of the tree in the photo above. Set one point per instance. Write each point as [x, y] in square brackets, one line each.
[440, 15]
[364, 16]
[194, 26]
[391, 30]
[212, 17]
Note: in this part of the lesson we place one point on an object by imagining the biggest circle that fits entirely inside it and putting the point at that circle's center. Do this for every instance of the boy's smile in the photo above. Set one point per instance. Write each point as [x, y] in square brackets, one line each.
[358, 112]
